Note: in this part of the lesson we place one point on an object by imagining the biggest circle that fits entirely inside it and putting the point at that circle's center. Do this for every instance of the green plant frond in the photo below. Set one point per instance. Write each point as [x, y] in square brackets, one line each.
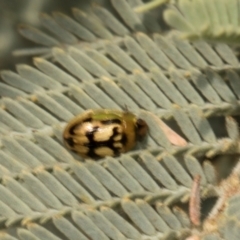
[113, 57]
[150, 5]
[213, 21]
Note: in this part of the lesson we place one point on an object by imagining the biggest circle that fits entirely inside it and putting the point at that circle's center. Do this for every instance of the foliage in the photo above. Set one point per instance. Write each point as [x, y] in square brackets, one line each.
[183, 183]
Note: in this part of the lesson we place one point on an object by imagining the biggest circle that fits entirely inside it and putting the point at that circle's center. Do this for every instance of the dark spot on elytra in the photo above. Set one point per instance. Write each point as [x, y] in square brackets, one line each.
[124, 139]
[116, 152]
[71, 130]
[114, 134]
[92, 145]
[90, 136]
[111, 121]
[91, 153]
[70, 142]
[87, 120]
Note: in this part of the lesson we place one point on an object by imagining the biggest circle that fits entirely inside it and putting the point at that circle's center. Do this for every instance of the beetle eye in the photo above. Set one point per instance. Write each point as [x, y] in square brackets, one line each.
[142, 128]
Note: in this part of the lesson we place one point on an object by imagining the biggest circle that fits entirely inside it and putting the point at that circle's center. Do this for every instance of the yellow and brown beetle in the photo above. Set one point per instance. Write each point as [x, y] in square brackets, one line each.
[100, 133]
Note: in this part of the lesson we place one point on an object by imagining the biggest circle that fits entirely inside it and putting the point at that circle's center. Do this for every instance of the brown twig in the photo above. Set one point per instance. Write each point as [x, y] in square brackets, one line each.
[194, 203]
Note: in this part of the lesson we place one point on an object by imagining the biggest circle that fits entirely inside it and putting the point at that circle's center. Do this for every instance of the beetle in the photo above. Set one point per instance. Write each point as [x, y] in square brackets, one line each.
[99, 133]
